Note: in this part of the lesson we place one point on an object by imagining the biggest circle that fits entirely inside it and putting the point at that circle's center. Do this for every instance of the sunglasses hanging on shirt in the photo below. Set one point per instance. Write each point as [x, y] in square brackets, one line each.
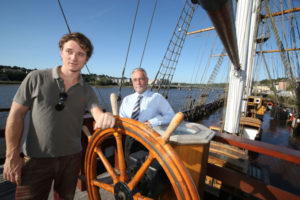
[61, 103]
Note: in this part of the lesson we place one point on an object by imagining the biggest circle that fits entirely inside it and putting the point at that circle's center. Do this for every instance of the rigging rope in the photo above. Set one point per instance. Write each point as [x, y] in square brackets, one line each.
[203, 98]
[270, 78]
[203, 90]
[283, 25]
[129, 44]
[286, 63]
[190, 96]
[168, 65]
[207, 40]
[69, 30]
[292, 18]
[62, 11]
[154, 9]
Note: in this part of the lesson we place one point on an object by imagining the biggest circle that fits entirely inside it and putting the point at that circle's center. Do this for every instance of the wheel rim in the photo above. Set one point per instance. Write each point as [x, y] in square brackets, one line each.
[177, 174]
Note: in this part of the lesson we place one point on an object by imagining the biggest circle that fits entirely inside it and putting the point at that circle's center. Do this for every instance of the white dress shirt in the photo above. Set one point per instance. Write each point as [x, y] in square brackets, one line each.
[154, 108]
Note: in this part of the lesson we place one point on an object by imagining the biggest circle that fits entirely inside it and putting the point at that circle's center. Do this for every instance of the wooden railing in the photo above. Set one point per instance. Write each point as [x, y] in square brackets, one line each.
[248, 184]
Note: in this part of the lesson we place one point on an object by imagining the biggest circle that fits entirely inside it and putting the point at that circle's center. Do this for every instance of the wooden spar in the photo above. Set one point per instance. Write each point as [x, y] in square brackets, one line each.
[201, 30]
[269, 51]
[262, 17]
[281, 12]
[221, 14]
[277, 50]
[218, 55]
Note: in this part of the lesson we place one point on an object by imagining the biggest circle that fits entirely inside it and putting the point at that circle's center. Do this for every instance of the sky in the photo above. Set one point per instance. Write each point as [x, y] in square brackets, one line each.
[31, 29]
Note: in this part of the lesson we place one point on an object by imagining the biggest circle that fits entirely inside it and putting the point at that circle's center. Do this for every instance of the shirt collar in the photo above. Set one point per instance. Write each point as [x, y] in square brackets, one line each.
[55, 75]
[143, 94]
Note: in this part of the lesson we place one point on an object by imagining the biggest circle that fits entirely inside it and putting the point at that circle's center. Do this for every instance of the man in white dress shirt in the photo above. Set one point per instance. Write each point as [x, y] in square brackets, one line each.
[151, 109]
[154, 108]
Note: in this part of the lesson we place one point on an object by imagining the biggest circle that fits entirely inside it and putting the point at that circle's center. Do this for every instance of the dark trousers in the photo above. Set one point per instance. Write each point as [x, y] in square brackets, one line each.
[39, 173]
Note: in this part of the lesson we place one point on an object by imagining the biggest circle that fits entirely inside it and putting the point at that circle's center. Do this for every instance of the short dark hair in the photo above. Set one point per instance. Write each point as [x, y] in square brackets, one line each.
[81, 39]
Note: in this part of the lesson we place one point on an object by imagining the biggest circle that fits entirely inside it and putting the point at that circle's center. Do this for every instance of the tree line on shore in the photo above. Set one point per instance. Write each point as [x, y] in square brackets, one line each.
[15, 74]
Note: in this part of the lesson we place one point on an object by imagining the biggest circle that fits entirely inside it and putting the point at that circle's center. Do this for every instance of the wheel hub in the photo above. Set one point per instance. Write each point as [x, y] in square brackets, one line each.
[122, 192]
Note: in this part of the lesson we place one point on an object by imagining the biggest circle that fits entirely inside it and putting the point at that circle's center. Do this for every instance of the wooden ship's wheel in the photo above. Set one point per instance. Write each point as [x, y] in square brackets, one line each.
[124, 186]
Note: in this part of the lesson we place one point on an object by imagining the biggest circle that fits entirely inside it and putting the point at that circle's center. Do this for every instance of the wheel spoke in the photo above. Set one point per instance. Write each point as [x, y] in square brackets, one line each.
[139, 196]
[140, 173]
[102, 185]
[121, 158]
[107, 165]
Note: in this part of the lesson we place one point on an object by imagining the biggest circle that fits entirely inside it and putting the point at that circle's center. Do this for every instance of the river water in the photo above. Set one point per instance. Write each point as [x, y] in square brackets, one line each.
[176, 96]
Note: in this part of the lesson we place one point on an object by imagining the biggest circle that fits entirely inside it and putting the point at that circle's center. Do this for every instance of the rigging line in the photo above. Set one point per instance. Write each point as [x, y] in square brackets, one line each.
[273, 88]
[270, 78]
[204, 89]
[275, 63]
[293, 44]
[173, 51]
[296, 21]
[154, 9]
[284, 32]
[191, 94]
[63, 13]
[193, 79]
[288, 69]
[293, 19]
[129, 44]
[283, 25]
[69, 30]
[208, 36]
[258, 69]
[208, 61]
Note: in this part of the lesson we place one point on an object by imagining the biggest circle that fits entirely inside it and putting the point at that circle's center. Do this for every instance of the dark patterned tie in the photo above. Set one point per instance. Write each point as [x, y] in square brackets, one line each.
[136, 109]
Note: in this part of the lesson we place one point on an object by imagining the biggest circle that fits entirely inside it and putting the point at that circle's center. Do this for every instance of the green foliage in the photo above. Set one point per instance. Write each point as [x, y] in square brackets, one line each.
[127, 84]
[265, 82]
[17, 74]
[291, 87]
[104, 80]
[13, 73]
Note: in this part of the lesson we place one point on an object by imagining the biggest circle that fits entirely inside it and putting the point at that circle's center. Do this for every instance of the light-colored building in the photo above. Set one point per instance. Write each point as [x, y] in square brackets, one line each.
[118, 80]
[282, 85]
[261, 89]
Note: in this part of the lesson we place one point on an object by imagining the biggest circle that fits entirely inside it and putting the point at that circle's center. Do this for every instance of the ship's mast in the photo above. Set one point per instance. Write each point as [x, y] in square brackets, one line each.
[235, 41]
[255, 18]
[244, 23]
